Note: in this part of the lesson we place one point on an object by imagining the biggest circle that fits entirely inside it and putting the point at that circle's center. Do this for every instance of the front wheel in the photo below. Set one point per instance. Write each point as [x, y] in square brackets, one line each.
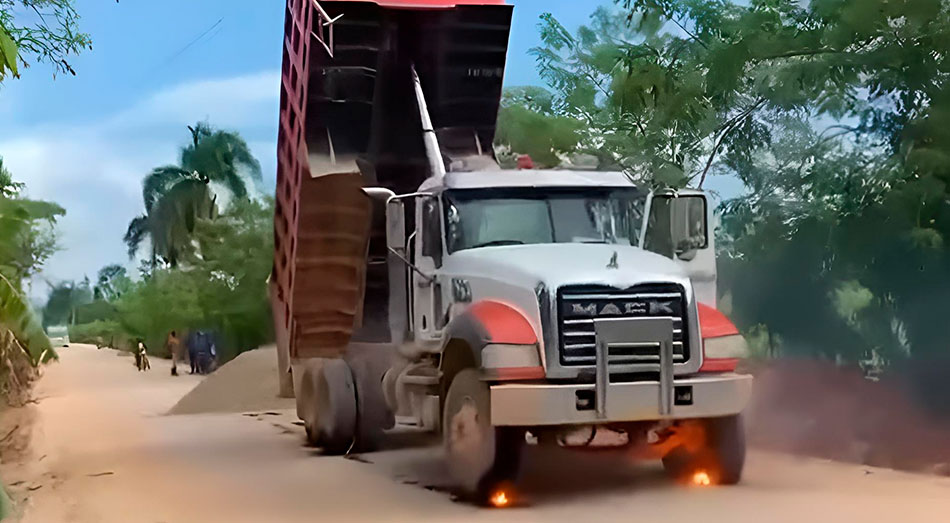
[717, 459]
[480, 457]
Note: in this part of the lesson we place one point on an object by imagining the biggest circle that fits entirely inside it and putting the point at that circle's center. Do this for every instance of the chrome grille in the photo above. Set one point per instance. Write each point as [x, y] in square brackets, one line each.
[579, 306]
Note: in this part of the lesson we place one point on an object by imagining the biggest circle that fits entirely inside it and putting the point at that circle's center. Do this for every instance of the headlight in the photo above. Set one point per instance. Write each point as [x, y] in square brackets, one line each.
[499, 356]
[726, 347]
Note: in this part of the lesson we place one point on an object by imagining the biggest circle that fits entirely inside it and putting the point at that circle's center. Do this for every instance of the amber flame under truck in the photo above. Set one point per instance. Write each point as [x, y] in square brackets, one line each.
[417, 283]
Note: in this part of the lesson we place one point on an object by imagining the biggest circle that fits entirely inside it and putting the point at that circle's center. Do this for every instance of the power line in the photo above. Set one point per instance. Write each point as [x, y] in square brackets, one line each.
[170, 59]
[194, 41]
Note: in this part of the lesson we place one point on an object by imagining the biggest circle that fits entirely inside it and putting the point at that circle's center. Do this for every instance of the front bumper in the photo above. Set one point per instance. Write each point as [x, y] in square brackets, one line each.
[572, 404]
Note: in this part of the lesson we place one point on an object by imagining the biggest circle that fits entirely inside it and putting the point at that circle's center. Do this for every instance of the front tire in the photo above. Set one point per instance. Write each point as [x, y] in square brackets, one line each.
[481, 458]
[721, 455]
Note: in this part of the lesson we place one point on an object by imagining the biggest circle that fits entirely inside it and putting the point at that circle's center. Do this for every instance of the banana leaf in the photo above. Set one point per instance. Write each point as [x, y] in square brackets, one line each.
[18, 317]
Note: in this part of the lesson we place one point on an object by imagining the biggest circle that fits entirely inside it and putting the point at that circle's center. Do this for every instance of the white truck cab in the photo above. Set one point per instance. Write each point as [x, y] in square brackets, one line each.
[555, 301]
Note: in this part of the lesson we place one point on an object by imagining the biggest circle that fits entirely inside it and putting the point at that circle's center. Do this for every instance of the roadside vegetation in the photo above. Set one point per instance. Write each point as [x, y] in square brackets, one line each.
[206, 248]
[26, 227]
[31, 32]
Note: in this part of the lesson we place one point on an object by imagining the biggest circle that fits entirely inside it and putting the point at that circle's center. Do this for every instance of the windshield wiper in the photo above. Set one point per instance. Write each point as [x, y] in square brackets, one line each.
[495, 243]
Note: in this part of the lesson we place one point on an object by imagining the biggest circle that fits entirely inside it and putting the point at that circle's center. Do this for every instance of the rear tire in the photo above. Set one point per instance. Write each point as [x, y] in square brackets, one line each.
[327, 404]
[373, 414]
[481, 458]
[721, 456]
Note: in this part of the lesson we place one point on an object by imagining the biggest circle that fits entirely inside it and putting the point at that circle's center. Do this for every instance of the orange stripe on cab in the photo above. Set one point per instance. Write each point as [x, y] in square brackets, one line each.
[503, 323]
[714, 324]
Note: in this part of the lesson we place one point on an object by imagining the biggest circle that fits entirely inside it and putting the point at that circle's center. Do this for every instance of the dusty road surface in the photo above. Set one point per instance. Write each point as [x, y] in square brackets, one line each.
[104, 451]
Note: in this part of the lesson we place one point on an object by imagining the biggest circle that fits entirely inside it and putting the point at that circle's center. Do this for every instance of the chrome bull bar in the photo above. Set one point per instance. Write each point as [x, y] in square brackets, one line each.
[634, 333]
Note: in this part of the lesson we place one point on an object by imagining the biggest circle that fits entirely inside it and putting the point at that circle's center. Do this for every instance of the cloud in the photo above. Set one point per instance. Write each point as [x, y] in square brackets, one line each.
[243, 101]
[94, 170]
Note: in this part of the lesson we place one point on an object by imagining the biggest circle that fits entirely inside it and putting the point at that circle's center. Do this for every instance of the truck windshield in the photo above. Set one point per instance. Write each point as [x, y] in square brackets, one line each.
[492, 217]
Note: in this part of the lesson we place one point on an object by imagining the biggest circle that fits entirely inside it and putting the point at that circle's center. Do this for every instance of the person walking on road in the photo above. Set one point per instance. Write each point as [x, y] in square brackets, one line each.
[191, 342]
[201, 351]
[141, 357]
[137, 352]
[173, 344]
[197, 347]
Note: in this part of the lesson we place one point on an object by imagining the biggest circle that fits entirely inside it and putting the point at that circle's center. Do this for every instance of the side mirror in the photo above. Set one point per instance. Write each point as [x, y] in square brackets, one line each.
[688, 226]
[396, 226]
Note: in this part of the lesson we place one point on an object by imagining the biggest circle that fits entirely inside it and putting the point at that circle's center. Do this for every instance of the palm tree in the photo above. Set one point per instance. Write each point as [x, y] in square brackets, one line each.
[176, 196]
[65, 298]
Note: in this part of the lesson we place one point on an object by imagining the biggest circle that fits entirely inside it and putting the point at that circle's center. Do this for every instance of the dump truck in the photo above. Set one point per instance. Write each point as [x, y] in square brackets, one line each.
[418, 284]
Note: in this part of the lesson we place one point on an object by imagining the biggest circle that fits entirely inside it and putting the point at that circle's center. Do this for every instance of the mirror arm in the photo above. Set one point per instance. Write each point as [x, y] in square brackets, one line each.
[417, 270]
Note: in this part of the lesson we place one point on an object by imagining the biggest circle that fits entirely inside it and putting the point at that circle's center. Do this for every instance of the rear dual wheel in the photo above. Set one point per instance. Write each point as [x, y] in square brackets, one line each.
[327, 405]
[342, 410]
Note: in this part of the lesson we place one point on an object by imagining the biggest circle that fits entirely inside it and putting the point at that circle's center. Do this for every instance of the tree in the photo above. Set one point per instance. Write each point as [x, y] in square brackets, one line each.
[111, 282]
[175, 197]
[26, 227]
[27, 241]
[528, 124]
[166, 301]
[237, 251]
[222, 290]
[846, 221]
[8, 187]
[39, 31]
[644, 100]
[64, 300]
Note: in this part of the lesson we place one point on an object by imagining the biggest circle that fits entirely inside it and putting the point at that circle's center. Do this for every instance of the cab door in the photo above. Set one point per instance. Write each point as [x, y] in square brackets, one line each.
[680, 225]
[426, 289]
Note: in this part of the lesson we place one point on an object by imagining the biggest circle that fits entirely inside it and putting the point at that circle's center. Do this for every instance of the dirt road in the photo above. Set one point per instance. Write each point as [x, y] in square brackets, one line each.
[104, 451]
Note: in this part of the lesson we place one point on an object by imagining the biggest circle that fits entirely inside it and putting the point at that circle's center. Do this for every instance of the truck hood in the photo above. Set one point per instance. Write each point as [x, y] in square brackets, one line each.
[565, 264]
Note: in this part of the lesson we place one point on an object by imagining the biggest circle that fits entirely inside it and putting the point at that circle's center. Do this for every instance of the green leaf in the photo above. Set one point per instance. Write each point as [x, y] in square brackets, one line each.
[8, 53]
[17, 317]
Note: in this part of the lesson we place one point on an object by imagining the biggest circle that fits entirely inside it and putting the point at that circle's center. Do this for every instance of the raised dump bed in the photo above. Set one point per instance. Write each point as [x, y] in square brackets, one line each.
[348, 119]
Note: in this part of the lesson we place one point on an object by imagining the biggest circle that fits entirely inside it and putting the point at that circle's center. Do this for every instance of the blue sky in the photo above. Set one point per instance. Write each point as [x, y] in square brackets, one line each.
[156, 66]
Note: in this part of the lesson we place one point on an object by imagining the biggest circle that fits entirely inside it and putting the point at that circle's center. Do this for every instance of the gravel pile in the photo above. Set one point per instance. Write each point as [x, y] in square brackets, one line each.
[247, 383]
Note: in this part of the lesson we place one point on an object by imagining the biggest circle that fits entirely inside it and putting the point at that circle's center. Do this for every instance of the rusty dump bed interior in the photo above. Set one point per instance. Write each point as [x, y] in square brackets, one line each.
[349, 119]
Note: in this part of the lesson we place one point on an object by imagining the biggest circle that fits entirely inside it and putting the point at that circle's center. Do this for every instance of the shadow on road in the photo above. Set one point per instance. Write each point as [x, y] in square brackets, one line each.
[548, 475]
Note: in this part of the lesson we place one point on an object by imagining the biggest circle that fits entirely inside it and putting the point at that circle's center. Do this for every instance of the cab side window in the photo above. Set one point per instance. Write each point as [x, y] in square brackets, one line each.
[659, 228]
[432, 230]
